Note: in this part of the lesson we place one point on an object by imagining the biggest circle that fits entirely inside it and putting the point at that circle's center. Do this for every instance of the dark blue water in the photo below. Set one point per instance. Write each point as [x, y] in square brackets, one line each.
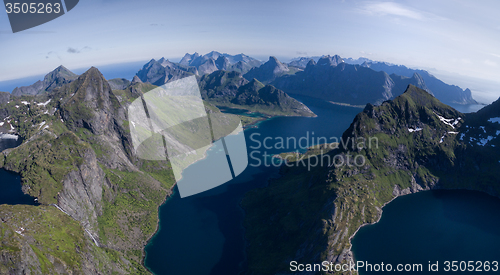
[203, 234]
[440, 225]
[10, 183]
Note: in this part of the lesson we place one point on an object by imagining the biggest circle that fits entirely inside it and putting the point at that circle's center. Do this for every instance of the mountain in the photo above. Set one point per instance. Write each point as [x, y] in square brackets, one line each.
[357, 61]
[54, 79]
[409, 144]
[159, 73]
[77, 154]
[213, 61]
[445, 92]
[333, 80]
[230, 89]
[269, 71]
[301, 62]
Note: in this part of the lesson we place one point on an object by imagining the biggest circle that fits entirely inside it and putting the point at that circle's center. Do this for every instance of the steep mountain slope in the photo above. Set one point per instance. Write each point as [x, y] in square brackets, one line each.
[446, 93]
[54, 79]
[230, 89]
[332, 79]
[406, 145]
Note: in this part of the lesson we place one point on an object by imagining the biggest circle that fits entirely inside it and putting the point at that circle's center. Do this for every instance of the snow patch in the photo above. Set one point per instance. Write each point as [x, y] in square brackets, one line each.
[17, 106]
[462, 136]
[25, 102]
[45, 103]
[411, 130]
[441, 141]
[449, 121]
[482, 127]
[454, 133]
[41, 125]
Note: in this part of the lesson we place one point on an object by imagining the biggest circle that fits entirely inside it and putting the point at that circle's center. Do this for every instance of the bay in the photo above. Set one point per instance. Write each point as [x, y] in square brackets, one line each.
[433, 227]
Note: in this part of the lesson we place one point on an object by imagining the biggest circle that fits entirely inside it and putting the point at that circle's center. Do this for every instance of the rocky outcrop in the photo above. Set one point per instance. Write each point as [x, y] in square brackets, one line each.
[81, 194]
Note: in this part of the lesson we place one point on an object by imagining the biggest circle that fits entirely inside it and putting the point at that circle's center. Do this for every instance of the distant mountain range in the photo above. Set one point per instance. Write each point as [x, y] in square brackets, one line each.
[444, 92]
[351, 84]
[332, 78]
[214, 61]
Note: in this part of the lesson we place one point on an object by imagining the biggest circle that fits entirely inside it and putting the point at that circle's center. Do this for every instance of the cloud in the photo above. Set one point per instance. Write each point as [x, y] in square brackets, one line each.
[301, 53]
[490, 63]
[394, 9]
[495, 55]
[74, 50]
[50, 54]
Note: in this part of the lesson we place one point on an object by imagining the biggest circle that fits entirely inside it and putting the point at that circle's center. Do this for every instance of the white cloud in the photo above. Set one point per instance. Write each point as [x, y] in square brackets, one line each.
[395, 9]
[490, 63]
[495, 55]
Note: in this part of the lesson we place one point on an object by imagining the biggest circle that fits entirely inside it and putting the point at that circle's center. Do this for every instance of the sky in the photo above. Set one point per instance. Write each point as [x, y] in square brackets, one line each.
[458, 41]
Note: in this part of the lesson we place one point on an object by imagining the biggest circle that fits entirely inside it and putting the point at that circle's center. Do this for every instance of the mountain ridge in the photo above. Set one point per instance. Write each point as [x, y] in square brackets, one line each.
[421, 144]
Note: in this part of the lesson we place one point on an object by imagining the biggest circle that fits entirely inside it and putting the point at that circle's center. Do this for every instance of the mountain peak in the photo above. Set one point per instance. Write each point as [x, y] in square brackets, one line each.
[274, 60]
[330, 60]
[91, 104]
[135, 80]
